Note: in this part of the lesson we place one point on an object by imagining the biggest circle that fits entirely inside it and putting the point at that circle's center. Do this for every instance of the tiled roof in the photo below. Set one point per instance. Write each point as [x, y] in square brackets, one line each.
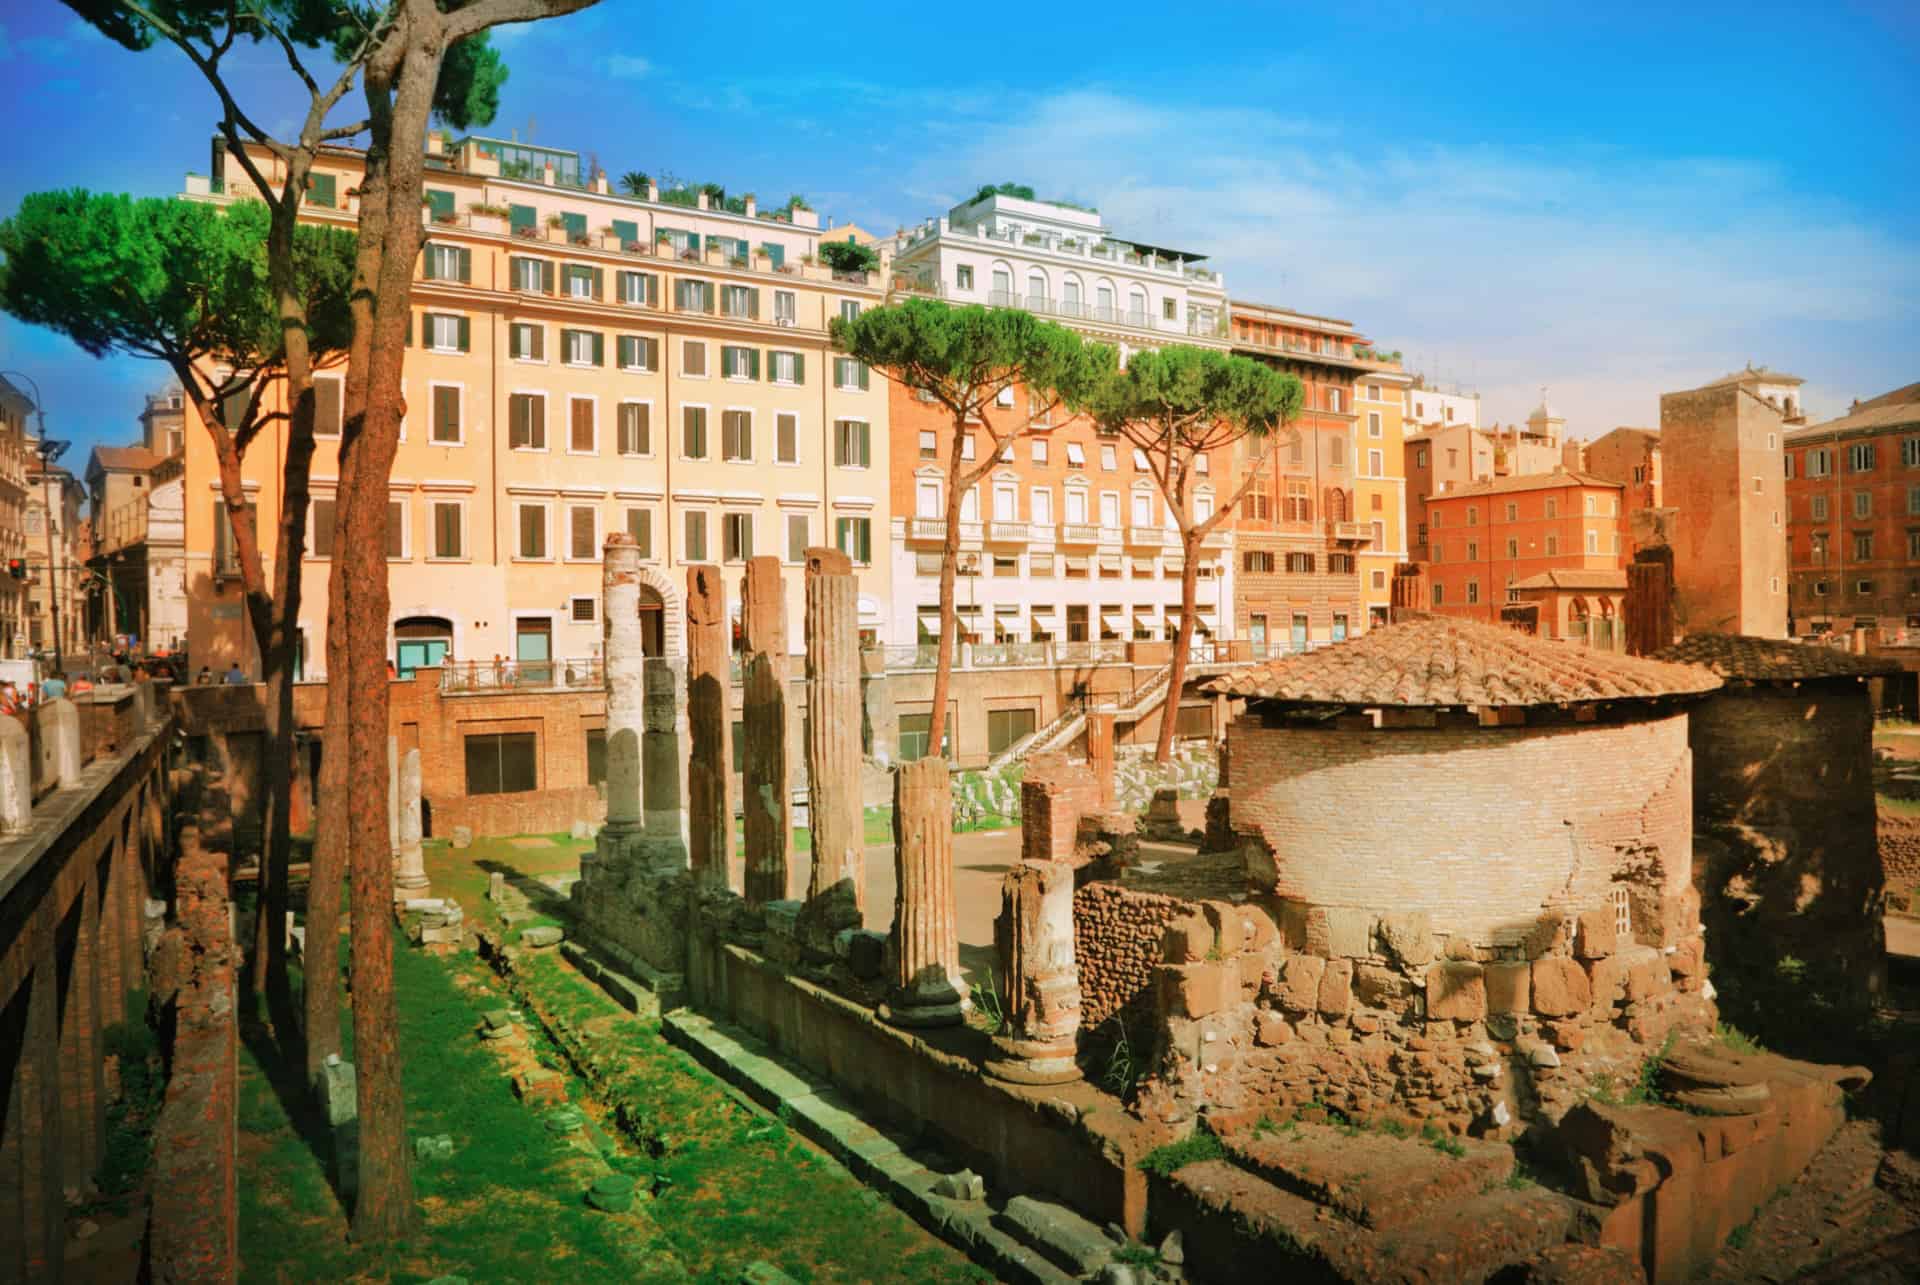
[137, 459]
[1576, 578]
[1434, 661]
[1762, 659]
[1525, 482]
[1896, 409]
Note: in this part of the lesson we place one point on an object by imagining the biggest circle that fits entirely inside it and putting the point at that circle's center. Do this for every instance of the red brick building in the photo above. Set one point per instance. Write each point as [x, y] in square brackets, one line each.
[1853, 519]
[1631, 457]
[1485, 539]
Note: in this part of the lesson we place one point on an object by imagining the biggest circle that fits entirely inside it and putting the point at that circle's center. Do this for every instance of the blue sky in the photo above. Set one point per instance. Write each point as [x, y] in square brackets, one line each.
[1611, 201]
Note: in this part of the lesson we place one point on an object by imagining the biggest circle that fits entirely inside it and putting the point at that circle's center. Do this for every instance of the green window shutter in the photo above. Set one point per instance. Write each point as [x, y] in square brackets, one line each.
[626, 230]
[426, 262]
[599, 284]
[321, 190]
[599, 349]
[409, 327]
[546, 276]
[576, 224]
[861, 366]
[866, 446]
[440, 201]
[777, 254]
[522, 216]
[466, 265]
[799, 368]
[693, 242]
[753, 363]
[466, 334]
[515, 347]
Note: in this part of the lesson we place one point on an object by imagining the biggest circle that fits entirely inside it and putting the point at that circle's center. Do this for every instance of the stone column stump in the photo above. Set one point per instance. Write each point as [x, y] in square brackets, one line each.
[923, 951]
[1033, 947]
[409, 867]
[768, 790]
[710, 767]
[836, 892]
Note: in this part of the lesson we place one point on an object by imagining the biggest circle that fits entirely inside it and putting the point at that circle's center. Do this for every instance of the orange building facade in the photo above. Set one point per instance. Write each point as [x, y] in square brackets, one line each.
[1486, 539]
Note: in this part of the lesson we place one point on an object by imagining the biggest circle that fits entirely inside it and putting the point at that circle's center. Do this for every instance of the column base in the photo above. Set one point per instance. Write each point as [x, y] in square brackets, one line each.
[1033, 1061]
[944, 1005]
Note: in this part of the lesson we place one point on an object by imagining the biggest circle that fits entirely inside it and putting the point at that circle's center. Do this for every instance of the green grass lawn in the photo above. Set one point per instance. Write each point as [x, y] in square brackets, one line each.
[508, 1205]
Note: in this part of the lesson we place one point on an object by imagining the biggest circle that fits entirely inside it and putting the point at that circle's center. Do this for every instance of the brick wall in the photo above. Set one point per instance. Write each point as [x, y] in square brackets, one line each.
[1116, 946]
[1054, 795]
[1482, 827]
[529, 812]
[1900, 853]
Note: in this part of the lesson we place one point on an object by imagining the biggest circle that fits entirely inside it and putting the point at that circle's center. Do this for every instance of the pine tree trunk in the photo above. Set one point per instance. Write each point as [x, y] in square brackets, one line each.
[1183, 641]
[385, 1210]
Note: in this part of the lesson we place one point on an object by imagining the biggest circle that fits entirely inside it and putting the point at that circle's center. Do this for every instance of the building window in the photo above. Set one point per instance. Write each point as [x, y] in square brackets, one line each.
[914, 733]
[693, 359]
[501, 763]
[526, 341]
[1337, 450]
[449, 529]
[1863, 504]
[1040, 454]
[533, 531]
[527, 422]
[736, 435]
[1339, 564]
[695, 544]
[1007, 727]
[583, 530]
[636, 428]
[1333, 396]
[445, 333]
[583, 609]
[693, 432]
[1910, 452]
[849, 374]
[963, 277]
[1593, 542]
[1376, 465]
[1513, 549]
[1818, 508]
[1819, 462]
[852, 443]
[1862, 545]
[797, 530]
[736, 536]
[854, 537]
[1553, 545]
[639, 289]
[1256, 560]
[446, 414]
[1076, 455]
[1473, 592]
[1861, 457]
[786, 438]
[1439, 593]
[739, 363]
[1419, 457]
[740, 301]
[785, 367]
[580, 282]
[1109, 458]
[583, 347]
[1553, 506]
[1861, 588]
[639, 353]
[1373, 421]
[1513, 511]
[531, 276]
[1301, 563]
[640, 527]
[583, 428]
[693, 296]
[1473, 513]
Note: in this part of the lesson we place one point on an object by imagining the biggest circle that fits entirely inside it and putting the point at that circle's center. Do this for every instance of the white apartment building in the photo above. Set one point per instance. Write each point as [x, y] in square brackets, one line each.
[1431, 408]
[1069, 541]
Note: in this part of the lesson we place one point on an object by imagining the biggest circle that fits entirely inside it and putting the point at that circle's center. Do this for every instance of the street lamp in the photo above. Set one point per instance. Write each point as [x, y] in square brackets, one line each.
[49, 450]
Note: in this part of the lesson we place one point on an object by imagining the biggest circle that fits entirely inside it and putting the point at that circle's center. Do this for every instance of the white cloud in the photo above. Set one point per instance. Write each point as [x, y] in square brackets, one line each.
[628, 67]
[1607, 275]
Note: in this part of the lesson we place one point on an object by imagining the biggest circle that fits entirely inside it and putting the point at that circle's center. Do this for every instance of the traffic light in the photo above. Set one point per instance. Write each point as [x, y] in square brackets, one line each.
[17, 568]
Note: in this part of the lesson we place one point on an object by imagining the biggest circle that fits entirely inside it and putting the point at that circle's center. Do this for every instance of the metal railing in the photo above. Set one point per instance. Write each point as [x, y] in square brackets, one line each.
[499, 675]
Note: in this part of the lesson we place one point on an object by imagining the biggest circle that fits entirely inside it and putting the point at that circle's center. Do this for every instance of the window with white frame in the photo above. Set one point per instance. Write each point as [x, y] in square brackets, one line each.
[1040, 451]
[527, 421]
[797, 533]
[783, 367]
[583, 427]
[583, 532]
[736, 435]
[736, 536]
[783, 308]
[1373, 424]
[445, 332]
[694, 546]
[640, 527]
[637, 352]
[852, 444]
[582, 347]
[926, 498]
[1593, 542]
[1376, 464]
[446, 430]
[449, 524]
[1040, 505]
[854, 537]
[693, 432]
[849, 374]
[1076, 455]
[693, 359]
[532, 544]
[786, 438]
[399, 545]
[640, 289]
[636, 428]
[527, 341]
[583, 609]
[1076, 504]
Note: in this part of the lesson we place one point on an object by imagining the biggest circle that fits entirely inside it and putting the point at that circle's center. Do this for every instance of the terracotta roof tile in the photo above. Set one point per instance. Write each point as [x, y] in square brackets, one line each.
[1740, 657]
[1434, 661]
[1576, 578]
[1525, 482]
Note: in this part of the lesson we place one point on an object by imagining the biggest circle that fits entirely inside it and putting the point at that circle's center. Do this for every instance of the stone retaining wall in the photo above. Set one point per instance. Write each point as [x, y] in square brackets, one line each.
[1116, 945]
[1900, 855]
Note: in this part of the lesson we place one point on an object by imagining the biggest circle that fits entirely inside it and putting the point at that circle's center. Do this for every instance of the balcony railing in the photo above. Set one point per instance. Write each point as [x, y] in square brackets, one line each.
[1004, 532]
[1357, 532]
[522, 675]
[1216, 540]
[1079, 533]
[1147, 535]
[926, 528]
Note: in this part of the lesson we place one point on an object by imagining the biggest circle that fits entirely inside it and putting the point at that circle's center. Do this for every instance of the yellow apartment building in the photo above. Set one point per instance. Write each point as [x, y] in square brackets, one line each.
[578, 362]
[1380, 479]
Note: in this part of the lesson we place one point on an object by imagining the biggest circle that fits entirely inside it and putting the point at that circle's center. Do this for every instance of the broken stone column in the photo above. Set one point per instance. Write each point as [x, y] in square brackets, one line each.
[710, 767]
[1649, 602]
[1100, 752]
[1411, 596]
[835, 893]
[409, 865]
[924, 948]
[664, 767]
[1040, 1001]
[625, 681]
[767, 790]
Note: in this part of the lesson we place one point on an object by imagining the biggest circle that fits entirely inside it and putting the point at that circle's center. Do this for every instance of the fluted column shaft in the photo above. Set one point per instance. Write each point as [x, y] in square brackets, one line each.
[924, 948]
[767, 789]
[625, 659]
[833, 727]
[710, 765]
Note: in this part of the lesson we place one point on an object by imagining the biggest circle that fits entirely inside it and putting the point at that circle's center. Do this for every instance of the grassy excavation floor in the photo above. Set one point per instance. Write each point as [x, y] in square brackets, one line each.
[734, 1186]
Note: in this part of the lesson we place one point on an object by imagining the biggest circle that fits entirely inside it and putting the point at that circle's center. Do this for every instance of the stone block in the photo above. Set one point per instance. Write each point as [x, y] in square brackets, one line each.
[1456, 991]
[1688, 958]
[1187, 940]
[1300, 983]
[1319, 934]
[1647, 976]
[1509, 988]
[1229, 930]
[1198, 990]
[1407, 938]
[1253, 969]
[1349, 932]
[1560, 987]
[462, 836]
[1594, 935]
[1336, 988]
[1607, 981]
[1378, 986]
[1551, 934]
[1566, 1034]
[867, 953]
[964, 1185]
[1261, 931]
[1270, 1029]
[541, 936]
[541, 1087]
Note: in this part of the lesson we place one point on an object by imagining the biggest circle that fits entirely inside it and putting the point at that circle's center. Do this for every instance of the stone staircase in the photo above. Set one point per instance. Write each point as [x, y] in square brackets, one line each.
[1322, 1203]
[1065, 730]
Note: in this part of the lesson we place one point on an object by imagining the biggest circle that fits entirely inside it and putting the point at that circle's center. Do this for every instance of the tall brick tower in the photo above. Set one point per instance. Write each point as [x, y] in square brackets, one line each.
[1721, 447]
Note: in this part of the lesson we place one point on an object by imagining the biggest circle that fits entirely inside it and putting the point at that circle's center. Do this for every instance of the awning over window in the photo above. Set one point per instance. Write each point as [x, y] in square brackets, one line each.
[1077, 564]
[1076, 453]
[1112, 624]
[1109, 563]
[1144, 620]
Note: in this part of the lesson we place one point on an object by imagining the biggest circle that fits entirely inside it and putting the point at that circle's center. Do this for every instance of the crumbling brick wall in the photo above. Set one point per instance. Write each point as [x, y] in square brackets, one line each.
[1116, 946]
[1054, 795]
[1899, 844]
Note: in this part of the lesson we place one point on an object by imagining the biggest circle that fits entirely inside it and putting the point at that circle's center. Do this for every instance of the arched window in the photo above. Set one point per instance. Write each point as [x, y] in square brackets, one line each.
[421, 642]
[1002, 284]
[1070, 301]
[1103, 300]
[1137, 306]
[1037, 290]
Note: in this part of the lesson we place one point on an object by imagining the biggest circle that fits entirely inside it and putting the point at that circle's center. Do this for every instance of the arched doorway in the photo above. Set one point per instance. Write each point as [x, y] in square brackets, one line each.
[653, 622]
[1577, 613]
[420, 641]
[663, 630]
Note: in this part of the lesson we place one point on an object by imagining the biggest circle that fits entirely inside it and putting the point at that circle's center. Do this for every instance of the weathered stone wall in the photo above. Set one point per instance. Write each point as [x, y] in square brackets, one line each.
[1487, 826]
[1269, 1005]
[1783, 783]
[1116, 942]
[1899, 843]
